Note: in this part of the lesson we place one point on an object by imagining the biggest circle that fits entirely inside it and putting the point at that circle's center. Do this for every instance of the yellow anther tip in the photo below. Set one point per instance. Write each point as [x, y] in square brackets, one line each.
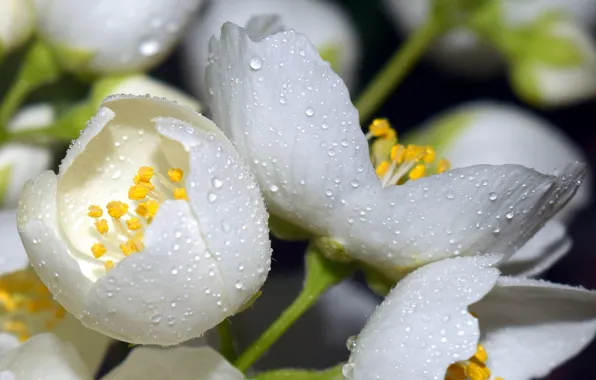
[109, 264]
[98, 250]
[382, 168]
[117, 209]
[145, 173]
[443, 166]
[102, 226]
[180, 193]
[95, 211]
[134, 224]
[381, 128]
[175, 175]
[417, 172]
[138, 192]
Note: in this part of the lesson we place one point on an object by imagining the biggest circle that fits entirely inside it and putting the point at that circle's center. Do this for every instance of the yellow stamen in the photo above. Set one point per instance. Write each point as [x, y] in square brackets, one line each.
[382, 168]
[145, 173]
[7, 302]
[101, 226]
[481, 354]
[443, 166]
[418, 172]
[430, 156]
[18, 328]
[397, 153]
[98, 250]
[95, 211]
[117, 209]
[175, 175]
[381, 128]
[473, 369]
[138, 192]
[134, 224]
[180, 193]
[414, 153]
[109, 264]
[147, 209]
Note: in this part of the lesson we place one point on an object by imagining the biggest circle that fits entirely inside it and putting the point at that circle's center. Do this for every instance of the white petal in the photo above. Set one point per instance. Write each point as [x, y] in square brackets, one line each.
[541, 252]
[16, 23]
[291, 119]
[529, 327]
[180, 363]
[423, 325]
[478, 209]
[261, 27]
[170, 292]
[119, 36]
[44, 357]
[325, 24]
[497, 134]
[13, 256]
[7, 342]
[42, 238]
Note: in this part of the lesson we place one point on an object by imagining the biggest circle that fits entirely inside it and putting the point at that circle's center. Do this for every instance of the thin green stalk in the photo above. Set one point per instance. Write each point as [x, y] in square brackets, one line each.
[226, 340]
[321, 275]
[394, 72]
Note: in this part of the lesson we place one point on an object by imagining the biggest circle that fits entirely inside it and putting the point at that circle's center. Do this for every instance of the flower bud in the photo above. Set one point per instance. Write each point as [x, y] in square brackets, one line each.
[16, 23]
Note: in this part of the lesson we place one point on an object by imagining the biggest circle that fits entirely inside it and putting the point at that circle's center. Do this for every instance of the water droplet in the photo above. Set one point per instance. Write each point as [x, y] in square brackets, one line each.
[449, 194]
[156, 318]
[238, 285]
[509, 215]
[492, 196]
[256, 63]
[310, 111]
[212, 197]
[273, 188]
[216, 182]
[355, 183]
[351, 342]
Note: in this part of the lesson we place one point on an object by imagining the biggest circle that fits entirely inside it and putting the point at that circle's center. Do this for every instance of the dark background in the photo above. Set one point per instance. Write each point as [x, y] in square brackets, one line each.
[426, 92]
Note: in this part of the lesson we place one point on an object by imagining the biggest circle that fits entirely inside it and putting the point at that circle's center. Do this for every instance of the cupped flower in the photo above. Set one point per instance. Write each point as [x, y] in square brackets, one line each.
[47, 357]
[457, 320]
[153, 231]
[493, 133]
[112, 36]
[27, 307]
[291, 118]
[16, 24]
[20, 162]
[326, 25]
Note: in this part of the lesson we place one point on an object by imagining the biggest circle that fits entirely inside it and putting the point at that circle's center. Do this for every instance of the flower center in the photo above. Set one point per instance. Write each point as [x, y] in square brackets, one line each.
[26, 305]
[395, 163]
[121, 234]
[472, 369]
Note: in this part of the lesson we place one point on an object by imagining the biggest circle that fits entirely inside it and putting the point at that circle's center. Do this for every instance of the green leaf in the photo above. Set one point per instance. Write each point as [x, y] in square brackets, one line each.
[299, 374]
[5, 176]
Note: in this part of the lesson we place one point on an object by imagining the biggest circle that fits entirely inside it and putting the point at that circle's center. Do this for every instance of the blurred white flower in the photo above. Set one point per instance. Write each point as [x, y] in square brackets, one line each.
[291, 119]
[325, 24]
[174, 262]
[27, 307]
[551, 83]
[20, 162]
[16, 24]
[46, 357]
[464, 53]
[497, 134]
[457, 319]
[113, 36]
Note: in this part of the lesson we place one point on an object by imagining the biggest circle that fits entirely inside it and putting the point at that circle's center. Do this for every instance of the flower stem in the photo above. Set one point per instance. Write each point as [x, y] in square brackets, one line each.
[400, 64]
[38, 68]
[321, 274]
[226, 340]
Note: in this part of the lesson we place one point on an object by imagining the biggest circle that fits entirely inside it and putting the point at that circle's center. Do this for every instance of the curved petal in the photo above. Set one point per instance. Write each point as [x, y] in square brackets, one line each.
[180, 363]
[478, 209]
[541, 252]
[291, 119]
[543, 323]
[423, 325]
[7, 342]
[44, 357]
[49, 255]
[13, 256]
[170, 292]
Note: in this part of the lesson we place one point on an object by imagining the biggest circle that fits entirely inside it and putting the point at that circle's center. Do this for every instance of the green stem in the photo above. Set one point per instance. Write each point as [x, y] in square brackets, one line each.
[38, 68]
[398, 67]
[226, 340]
[321, 274]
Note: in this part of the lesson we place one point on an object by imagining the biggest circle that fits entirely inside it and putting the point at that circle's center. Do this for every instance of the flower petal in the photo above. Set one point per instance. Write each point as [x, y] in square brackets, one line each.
[539, 323]
[170, 292]
[13, 256]
[181, 363]
[262, 26]
[541, 252]
[44, 357]
[477, 209]
[291, 119]
[49, 255]
[423, 325]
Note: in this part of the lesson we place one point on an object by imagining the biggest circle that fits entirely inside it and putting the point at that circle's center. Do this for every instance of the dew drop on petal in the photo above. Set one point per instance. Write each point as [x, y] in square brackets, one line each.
[256, 63]
[492, 196]
[310, 111]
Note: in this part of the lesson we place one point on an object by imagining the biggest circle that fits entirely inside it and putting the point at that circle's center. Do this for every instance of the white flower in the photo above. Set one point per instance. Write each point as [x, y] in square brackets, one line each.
[325, 24]
[556, 84]
[292, 120]
[46, 357]
[464, 53]
[113, 36]
[496, 134]
[27, 307]
[21, 162]
[16, 24]
[457, 319]
[173, 261]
